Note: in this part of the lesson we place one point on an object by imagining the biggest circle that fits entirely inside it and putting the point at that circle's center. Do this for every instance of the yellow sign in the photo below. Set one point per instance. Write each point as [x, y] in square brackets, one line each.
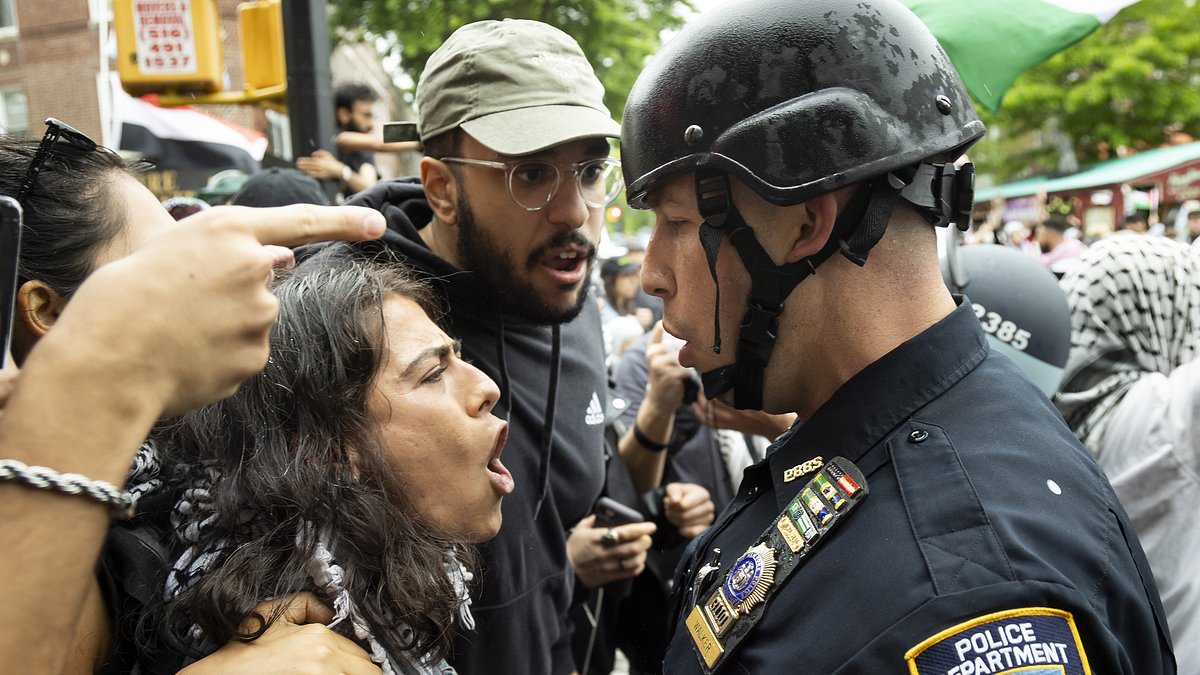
[168, 45]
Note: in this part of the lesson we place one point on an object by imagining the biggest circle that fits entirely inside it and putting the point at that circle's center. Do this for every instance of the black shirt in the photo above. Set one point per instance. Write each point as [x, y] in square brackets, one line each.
[981, 502]
[356, 159]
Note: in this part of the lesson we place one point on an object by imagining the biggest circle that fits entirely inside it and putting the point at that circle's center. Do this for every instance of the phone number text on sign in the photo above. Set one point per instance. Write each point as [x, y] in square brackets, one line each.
[165, 41]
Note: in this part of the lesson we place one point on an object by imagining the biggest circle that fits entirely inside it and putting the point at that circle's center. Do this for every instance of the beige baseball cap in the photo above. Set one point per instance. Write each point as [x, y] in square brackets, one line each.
[516, 86]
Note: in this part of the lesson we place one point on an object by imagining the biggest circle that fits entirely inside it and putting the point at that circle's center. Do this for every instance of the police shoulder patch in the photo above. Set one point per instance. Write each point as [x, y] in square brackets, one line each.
[1025, 641]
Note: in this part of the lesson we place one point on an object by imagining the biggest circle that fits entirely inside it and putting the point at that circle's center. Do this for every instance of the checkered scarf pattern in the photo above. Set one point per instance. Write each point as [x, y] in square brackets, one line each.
[194, 514]
[145, 472]
[1135, 309]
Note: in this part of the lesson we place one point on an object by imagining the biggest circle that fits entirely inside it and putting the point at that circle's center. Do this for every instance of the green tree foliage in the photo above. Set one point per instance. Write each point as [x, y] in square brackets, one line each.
[1127, 84]
[616, 35]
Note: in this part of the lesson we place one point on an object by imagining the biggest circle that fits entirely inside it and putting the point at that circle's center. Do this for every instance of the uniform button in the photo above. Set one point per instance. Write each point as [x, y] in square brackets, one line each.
[918, 435]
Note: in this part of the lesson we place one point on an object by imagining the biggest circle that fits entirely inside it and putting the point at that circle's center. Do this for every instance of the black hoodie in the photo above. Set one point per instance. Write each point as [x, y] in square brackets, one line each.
[553, 389]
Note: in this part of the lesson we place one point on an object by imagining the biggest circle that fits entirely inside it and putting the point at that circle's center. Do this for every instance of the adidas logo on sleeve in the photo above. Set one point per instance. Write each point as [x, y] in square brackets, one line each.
[595, 411]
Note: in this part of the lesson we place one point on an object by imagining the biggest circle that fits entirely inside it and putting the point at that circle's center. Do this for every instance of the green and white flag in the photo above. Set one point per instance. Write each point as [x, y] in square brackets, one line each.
[993, 41]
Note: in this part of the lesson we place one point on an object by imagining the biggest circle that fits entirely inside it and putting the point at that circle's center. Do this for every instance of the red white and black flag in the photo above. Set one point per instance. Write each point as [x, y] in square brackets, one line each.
[184, 139]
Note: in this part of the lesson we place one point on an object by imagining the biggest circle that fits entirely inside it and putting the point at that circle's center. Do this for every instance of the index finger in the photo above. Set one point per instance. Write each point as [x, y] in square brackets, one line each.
[299, 608]
[656, 334]
[305, 223]
[306, 608]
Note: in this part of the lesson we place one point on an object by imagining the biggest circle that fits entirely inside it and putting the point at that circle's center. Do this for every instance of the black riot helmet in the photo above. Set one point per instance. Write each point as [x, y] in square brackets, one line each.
[796, 99]
[1020, 306]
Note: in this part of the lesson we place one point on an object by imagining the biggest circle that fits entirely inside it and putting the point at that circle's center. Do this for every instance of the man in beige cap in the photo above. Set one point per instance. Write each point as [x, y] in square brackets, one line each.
[505, 219]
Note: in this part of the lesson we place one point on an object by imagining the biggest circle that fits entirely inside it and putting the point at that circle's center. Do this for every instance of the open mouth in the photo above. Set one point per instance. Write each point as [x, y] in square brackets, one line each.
[502, 480]
[565, 264]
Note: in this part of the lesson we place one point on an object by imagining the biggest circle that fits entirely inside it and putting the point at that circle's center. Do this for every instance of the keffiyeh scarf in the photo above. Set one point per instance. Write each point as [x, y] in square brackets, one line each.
[1135, 309]
[194, 513]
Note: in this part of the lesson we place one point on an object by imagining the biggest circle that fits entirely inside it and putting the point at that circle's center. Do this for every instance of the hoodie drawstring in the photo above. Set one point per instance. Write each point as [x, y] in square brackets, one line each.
[548, 429]
[501, 351]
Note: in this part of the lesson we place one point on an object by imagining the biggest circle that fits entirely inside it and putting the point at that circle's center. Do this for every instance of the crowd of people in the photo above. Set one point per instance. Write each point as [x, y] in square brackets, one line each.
[432, 431]
[1058, 241]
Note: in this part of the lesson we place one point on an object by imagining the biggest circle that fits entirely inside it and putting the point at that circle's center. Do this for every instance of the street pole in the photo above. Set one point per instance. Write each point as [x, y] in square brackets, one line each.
[309, 84]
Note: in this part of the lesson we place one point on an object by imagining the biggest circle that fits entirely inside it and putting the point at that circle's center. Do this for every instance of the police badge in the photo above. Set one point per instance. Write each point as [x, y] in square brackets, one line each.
[751, 577]
[721, 617]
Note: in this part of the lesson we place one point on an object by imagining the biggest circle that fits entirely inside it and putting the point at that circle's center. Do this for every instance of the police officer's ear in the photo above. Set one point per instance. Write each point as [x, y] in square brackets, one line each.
[441, 189]
[819, 215]
[789, 233]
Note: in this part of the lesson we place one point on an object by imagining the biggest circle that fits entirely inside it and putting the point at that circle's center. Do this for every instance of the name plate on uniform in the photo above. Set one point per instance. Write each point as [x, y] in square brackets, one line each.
[702, 636]
[723, 616]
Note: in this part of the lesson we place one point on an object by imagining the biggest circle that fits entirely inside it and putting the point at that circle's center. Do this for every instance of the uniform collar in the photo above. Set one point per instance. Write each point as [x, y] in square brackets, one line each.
[885, 393]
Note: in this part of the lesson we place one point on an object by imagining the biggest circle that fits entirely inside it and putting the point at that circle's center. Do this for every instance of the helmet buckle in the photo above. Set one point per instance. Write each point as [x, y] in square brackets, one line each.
[954, 188]
[760, 327]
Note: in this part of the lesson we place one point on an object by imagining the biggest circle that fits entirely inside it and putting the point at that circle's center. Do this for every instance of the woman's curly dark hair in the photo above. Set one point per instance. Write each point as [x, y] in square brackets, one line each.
[282, 448]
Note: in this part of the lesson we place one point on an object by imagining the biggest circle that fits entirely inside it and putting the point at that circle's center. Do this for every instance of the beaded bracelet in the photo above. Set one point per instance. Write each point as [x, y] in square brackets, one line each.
[122, 503]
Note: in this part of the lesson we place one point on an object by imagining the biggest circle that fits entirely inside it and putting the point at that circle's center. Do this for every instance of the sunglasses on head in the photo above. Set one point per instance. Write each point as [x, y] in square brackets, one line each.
[55, 131]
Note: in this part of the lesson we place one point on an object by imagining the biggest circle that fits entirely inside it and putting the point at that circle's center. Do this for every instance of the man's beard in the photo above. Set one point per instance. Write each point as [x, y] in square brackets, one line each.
[479, 254]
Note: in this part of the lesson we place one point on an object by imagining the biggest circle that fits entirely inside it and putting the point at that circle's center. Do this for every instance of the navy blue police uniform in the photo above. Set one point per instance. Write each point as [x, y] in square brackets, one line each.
[983, 538]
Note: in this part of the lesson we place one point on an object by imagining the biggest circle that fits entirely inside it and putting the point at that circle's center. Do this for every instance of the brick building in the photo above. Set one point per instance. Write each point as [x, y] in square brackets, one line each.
[49, 60]
[50, 66]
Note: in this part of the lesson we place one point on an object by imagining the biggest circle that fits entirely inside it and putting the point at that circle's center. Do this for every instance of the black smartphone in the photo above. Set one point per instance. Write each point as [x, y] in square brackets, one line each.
[10, 255]
[611, 513]
[394, 132]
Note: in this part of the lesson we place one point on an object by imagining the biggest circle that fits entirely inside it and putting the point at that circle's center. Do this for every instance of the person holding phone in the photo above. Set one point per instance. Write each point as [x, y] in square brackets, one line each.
[10, 251]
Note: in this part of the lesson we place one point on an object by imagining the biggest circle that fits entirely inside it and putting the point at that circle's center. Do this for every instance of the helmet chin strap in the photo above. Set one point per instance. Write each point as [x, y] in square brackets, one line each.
[858, 228]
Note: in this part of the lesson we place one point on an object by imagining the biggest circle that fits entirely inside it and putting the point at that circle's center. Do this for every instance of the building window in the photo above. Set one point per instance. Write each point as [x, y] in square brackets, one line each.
[8, 18]
[14, 114]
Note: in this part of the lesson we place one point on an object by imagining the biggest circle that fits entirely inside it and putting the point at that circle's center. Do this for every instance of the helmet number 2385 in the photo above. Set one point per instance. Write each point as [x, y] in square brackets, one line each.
[1006, 331]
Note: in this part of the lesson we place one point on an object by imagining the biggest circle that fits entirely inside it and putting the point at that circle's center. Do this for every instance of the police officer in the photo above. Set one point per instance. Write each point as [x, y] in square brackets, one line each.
[931, 513]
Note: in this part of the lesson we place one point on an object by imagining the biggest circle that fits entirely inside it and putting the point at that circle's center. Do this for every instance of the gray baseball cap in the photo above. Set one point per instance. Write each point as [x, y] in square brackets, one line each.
[516, 86]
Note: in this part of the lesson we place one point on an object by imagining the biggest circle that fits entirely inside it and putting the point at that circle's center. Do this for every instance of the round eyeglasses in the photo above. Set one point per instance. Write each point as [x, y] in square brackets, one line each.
[533, 183]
